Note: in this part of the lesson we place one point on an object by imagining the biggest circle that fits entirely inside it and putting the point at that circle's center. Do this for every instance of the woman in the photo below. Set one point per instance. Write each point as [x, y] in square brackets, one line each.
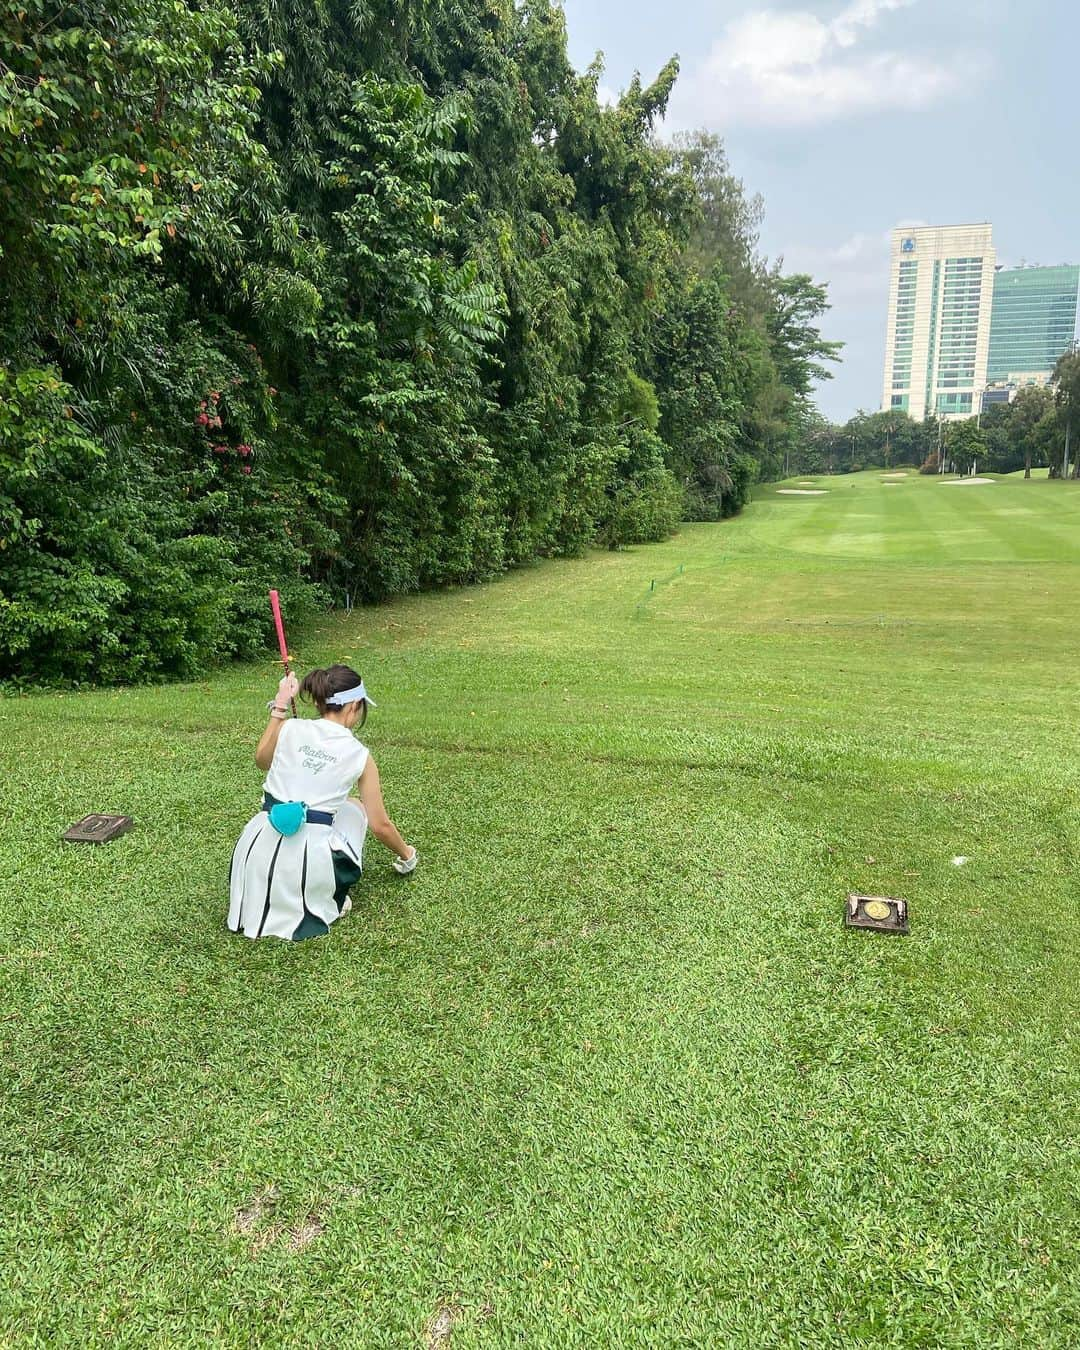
[295, 861]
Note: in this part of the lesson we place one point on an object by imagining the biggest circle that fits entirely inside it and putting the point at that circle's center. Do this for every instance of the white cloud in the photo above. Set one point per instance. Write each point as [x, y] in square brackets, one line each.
[795, 68]
[862, 14]
[857, 270]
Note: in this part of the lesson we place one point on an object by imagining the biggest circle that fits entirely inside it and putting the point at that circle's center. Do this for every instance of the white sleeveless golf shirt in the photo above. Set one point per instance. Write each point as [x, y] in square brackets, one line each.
[316, 762]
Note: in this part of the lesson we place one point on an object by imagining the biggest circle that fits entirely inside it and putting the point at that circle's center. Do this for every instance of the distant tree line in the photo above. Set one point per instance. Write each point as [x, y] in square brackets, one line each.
[353, 299]
[1037, 430]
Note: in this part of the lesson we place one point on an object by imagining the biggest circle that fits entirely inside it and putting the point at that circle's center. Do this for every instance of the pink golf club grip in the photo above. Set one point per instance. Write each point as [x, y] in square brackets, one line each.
[275, 606]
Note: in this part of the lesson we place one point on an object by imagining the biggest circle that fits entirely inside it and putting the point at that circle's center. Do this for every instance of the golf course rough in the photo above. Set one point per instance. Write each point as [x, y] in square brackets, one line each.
[608, 1070]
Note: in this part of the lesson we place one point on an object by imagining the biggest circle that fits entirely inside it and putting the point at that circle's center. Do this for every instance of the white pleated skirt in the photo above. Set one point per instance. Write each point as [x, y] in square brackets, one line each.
[294, 886]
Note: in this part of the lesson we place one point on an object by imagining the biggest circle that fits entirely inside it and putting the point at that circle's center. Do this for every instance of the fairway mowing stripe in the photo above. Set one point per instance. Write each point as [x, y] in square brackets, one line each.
[1021, 545]
[908, 534]
[826, 521]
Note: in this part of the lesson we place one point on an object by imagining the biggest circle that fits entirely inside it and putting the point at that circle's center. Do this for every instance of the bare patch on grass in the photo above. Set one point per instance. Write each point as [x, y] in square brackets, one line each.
[304, 1233]
[255, 1221]
[258, 1208]
[440, 1325]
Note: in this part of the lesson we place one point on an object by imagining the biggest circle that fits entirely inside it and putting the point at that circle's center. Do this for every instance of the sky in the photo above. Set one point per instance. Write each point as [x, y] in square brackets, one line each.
[853, 116]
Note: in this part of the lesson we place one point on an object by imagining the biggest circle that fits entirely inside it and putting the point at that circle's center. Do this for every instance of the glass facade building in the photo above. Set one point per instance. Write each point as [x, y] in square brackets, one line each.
[1033, 323]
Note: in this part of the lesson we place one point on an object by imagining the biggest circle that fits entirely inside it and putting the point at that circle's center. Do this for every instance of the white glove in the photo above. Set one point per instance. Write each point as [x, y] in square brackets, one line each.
[403, 866]
[288, 688]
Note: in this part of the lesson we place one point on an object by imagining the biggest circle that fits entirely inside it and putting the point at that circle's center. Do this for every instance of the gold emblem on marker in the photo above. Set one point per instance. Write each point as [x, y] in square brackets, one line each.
[877, 909]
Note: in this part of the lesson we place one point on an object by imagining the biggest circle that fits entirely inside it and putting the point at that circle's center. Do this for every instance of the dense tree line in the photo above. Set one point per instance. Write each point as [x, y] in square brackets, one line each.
[1039, 428]
[353, 299]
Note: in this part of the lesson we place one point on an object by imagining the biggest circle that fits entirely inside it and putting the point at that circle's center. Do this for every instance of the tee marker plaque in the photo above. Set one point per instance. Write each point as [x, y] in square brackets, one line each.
[98, 829]
[882, 912]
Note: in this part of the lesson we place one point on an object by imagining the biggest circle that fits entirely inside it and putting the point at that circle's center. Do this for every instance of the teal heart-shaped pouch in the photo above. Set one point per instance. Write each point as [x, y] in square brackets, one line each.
[287, 817]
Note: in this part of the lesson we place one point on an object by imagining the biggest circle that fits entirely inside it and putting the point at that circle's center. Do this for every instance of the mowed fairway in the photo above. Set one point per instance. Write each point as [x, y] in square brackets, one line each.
[607, 1071]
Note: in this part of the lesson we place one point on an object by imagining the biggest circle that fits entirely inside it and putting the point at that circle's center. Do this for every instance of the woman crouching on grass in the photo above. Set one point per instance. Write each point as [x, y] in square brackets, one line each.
[295, 861]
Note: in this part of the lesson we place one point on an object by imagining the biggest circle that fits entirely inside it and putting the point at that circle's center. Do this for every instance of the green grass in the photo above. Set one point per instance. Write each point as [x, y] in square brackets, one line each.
[607, 1071]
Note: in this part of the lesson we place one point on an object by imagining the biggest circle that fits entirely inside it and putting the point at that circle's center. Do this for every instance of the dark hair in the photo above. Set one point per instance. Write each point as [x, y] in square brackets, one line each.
[321, 685]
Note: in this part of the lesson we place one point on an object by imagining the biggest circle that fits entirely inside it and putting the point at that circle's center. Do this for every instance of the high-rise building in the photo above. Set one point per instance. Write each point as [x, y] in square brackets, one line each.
[1033, 323]
[941, 288]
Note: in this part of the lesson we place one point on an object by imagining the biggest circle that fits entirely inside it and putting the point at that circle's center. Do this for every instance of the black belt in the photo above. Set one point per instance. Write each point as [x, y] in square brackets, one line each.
[313, 817]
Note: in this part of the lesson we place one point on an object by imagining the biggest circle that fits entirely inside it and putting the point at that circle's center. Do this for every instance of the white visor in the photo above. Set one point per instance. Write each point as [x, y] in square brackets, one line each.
[350, 696]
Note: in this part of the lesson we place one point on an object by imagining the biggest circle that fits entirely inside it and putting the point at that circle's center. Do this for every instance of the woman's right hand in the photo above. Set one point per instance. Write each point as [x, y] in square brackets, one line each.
[287, 690]
[403, 866]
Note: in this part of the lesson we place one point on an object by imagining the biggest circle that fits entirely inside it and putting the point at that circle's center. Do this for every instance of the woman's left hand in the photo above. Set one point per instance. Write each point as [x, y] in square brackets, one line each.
[287, 690]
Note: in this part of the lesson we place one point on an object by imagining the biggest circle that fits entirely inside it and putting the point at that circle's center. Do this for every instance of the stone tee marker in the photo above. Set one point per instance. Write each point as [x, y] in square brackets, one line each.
[98, 829]
[881, 912]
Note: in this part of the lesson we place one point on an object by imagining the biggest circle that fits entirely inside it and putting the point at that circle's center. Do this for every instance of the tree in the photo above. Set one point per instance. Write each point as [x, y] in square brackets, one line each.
[797, 346]
[1066, 383]
[701, 373]
[1002, 454]
[727, 221]
[773, 316]
[965, 445]
[1027, 423]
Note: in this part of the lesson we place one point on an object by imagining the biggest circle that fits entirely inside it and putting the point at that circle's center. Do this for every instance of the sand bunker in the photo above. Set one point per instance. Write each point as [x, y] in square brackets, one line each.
[802, 492]
[893, 475]
[966, 482]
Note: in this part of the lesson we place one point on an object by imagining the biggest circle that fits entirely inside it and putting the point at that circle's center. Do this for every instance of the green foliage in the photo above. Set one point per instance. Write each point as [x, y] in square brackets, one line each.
[640, 403]
[352, 300]
[122, 124]
[965, 445]
[1067, 418]
[882, 439]
[645, 502]
[795, 342]
[771, 317]
[122, 562]
[726, 221]
[703, 371]
[1031, 417]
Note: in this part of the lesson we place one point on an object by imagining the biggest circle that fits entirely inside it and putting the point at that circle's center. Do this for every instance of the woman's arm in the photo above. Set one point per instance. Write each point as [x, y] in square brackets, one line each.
[380, 824]
[264, 751]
